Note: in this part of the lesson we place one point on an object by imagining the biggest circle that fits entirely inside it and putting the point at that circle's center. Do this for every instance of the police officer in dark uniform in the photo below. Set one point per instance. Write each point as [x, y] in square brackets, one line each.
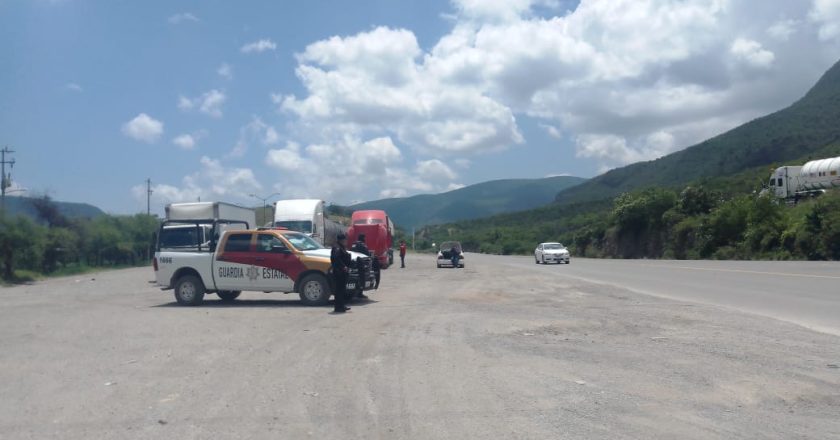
[340, 260]
[361, 247]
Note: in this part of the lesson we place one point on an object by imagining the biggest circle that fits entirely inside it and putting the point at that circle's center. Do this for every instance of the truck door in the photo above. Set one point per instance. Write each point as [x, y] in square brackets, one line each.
[232, 270]
[272, 259]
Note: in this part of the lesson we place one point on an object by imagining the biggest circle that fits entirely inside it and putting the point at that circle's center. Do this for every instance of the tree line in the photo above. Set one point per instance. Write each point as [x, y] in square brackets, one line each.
[55, 244]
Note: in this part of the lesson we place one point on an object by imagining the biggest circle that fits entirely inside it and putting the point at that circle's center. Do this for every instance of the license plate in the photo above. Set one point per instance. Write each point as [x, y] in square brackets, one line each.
[351, 285]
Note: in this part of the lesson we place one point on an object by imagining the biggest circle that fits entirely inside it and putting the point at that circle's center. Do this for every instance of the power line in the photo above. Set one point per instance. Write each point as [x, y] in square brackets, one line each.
[6, 180]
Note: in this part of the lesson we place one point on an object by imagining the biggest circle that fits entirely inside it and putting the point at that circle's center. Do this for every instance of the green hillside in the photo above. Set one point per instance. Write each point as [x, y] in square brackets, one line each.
[25, 206]
[804, 128]
[698, 203]
[480, 200]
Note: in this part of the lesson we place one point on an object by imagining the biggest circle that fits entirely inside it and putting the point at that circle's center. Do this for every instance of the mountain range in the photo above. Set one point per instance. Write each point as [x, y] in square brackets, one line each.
[25, 206]
[474, 201]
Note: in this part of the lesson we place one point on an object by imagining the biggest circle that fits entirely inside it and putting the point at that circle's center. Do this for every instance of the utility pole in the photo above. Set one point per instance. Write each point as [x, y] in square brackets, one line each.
[149, 196]
[6, 178]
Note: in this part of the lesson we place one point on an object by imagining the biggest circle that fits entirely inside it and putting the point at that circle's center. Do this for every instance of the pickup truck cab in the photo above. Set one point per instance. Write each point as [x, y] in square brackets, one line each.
[265, 260]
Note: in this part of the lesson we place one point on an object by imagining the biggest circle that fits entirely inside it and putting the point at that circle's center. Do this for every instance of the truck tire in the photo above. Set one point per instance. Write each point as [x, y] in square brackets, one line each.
[189, 290]
[314, 290]
[228, 295]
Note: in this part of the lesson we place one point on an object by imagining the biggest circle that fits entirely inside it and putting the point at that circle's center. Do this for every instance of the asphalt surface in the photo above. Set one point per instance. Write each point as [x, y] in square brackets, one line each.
[502, 349]
[804, 293]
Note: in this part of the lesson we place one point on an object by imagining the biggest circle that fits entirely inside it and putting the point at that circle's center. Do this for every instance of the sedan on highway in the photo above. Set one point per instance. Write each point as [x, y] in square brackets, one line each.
[551, 253]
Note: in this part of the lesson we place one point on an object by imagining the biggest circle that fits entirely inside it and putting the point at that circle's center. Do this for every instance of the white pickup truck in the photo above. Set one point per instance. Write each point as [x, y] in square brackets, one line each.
[265, 260]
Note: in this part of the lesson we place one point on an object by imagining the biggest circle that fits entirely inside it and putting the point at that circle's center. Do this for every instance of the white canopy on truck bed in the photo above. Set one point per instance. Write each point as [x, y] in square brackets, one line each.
[210, 211]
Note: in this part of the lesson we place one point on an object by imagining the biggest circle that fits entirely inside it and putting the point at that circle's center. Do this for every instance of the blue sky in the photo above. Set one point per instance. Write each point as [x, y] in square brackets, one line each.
[350, 101]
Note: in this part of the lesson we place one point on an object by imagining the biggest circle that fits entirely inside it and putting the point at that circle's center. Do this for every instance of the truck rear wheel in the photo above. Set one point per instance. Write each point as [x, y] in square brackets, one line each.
[228, 295]
[314, 290]
[189, 290]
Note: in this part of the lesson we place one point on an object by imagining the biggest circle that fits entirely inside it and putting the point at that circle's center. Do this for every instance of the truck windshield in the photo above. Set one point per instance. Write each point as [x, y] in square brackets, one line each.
[368, 221]
[295, 225]
[302, 242]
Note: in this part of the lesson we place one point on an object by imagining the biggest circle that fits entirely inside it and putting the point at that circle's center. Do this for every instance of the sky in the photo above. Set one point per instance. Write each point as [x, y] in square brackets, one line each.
[352, 101]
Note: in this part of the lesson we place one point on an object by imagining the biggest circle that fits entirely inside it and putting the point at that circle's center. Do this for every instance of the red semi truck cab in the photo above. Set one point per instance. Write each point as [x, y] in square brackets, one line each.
[379, 234]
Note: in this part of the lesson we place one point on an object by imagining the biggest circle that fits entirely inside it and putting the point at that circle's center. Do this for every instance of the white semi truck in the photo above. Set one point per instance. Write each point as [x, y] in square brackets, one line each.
[309, 217]
[815, 177]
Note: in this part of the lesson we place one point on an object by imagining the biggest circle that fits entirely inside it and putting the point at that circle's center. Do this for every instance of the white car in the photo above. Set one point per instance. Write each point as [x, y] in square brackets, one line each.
[551, 253]
[445, 255]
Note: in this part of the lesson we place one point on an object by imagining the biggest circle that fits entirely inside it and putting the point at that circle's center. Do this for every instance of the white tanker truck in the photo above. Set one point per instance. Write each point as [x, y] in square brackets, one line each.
[814, 178]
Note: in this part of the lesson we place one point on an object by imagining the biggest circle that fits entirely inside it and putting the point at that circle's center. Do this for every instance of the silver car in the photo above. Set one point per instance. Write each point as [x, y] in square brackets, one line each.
[551, 253]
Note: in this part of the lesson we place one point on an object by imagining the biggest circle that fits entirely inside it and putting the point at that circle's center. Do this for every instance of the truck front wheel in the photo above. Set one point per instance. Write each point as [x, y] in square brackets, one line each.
[314, 290]
[189, 290]
[228, 295]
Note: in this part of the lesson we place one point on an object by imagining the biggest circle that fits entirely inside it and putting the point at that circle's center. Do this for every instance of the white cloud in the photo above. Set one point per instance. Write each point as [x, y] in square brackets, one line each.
[552, 131]
[225, 71]
[352, 166]
[73, 87]
[499, 10]
[434, 170]
[376, 81]
[182, 17]
[783, 29]
[254, 132]
[271, 137]
[827, 14]
[624, 80]
[752, 52]
[188, 141]
[259, 46]
[612, 150]
[213, 181]
[185, 141]
[286, 159]
[143, 128]
[209, 103]
[185, 103]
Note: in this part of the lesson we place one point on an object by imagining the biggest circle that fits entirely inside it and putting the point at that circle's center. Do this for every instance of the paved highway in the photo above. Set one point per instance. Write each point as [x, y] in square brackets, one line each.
[804, 293]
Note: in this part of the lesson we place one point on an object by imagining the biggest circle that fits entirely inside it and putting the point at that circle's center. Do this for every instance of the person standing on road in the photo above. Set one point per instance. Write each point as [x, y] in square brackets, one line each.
[361, 247]
[455, 253]
[402, 254]
[340, 261]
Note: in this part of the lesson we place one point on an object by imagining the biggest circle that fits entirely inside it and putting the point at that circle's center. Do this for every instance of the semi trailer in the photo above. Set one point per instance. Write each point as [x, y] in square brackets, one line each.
[815, 177]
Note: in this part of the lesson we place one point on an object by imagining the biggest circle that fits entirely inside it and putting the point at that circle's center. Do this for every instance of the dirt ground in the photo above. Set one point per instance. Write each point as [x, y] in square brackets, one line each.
[488, 352]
